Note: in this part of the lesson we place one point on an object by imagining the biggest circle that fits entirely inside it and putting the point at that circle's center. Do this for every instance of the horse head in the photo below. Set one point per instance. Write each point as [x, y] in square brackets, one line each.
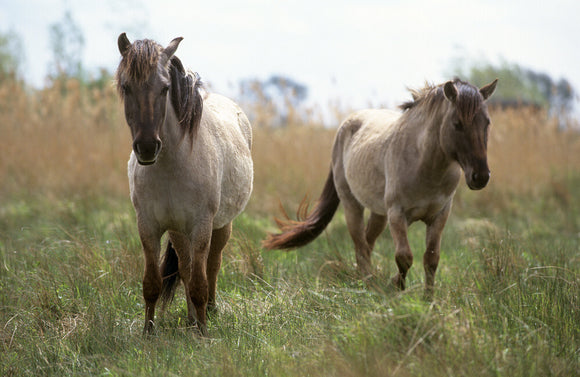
[465, 129]
[143, 81]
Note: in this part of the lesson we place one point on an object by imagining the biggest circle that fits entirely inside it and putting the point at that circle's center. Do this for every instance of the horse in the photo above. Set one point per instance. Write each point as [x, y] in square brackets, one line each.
[403, 167]
[190, 173]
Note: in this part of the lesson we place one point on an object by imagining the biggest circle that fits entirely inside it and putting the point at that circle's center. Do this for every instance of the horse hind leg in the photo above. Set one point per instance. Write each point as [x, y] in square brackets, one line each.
[219, 239]
[375, 226]
[354, 214]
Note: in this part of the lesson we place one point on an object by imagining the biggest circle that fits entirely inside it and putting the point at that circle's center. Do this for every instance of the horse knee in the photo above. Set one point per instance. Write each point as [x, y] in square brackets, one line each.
[151, 288]
[404, 261]
[431, 261]
[198, 290]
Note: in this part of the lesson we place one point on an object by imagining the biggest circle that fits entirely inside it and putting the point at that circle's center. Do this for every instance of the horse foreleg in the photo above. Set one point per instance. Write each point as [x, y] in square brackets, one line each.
[184, 248]
[403, 254]
[151, 278]
[219, 239]
[198, 284]
[433, 248]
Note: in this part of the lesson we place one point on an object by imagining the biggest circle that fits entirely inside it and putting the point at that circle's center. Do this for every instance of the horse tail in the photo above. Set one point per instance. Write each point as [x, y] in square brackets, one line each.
[299, 233]
[169, 274]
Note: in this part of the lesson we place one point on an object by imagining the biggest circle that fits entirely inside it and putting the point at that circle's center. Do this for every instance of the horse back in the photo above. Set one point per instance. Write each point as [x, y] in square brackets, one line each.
[359, 156]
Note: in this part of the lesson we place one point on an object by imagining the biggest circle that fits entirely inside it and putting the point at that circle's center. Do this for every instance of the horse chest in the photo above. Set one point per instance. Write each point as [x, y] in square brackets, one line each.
[425, 209]
[167, 202]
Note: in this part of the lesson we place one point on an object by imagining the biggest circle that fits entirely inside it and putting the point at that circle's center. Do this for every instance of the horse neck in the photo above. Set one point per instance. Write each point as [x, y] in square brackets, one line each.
[174, 143]
[427, 128]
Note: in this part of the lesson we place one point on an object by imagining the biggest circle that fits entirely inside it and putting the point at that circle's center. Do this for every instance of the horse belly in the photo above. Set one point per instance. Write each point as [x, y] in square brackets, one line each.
[366, 179]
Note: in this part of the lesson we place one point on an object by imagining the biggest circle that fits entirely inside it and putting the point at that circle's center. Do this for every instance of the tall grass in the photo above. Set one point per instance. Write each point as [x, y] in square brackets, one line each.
[507, 291]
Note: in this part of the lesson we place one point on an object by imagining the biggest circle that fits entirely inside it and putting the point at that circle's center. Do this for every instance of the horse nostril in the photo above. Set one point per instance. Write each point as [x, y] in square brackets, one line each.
[136, 148]
[147, 151]
[483, 178]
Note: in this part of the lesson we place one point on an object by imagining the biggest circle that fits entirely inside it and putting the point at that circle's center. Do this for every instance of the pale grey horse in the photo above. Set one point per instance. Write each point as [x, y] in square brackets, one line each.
[190, 173]
[403, 167]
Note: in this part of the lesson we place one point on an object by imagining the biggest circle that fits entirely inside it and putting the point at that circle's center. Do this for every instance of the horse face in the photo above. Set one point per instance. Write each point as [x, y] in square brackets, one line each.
[145, 108]
[143, 80]
[465, 131]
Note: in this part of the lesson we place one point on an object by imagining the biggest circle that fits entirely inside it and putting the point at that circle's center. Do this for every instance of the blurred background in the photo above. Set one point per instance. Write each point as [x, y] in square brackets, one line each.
[297, 68]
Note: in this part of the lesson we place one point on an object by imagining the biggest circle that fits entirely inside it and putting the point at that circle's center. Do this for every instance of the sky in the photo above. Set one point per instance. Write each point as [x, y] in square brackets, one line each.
[360, 53]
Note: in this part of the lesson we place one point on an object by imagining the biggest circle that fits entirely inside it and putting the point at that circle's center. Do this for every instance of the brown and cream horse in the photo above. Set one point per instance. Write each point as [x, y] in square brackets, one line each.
[403, 167]
[190, 173]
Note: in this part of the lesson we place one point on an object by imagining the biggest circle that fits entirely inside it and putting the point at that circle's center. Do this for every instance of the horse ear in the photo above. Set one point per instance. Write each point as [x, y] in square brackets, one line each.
[170, 50]
[450, 91]
[123, 43]
[487, 91]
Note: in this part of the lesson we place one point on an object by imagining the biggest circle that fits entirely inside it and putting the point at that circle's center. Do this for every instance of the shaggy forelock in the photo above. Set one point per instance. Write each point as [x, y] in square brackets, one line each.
[469, 101]
[139, 62]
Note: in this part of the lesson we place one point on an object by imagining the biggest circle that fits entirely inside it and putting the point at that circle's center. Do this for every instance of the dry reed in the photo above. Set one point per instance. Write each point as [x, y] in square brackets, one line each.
[68, 141]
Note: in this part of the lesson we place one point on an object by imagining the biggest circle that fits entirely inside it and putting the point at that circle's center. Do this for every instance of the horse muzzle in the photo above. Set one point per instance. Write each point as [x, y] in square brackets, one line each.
[147, 152]
[476, 180]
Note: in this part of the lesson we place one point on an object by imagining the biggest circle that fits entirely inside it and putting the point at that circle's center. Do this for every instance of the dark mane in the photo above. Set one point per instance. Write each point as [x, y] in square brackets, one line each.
[468, 102]
[186, 96]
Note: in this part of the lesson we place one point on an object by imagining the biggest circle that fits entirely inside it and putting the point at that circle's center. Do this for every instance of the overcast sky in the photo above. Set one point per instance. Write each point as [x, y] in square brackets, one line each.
[360, 52]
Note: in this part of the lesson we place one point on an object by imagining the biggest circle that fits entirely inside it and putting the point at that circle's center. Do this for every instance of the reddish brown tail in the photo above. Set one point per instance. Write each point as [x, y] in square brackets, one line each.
[299, 233]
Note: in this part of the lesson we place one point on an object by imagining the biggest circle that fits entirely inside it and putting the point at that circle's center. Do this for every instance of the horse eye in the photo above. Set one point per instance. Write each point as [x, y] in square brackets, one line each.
[458, 126]
[164, 90]
[125, 88]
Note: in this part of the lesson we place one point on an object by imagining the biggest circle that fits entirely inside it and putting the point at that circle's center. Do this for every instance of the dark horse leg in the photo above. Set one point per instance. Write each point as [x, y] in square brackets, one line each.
[183, 247]
[433, 248]
[375, 227]
[219, 239]
[403, 255]
[354, 215]
[198, 284]
[152, 276]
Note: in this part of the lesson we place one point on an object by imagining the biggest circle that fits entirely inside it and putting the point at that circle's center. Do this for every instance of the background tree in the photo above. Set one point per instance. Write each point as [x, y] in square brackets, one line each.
[11, 56]
[67, 44]
[279, 99]
[521, 86]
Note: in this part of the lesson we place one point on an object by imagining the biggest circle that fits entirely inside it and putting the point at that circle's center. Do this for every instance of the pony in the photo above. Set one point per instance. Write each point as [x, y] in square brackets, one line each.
[403, 167]
[190, 173]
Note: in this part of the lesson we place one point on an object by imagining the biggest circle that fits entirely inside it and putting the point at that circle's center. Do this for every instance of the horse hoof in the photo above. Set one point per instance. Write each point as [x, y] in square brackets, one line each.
[201, 330]
[428, 295]
[399, 282]
[211, 309]
[149, 328]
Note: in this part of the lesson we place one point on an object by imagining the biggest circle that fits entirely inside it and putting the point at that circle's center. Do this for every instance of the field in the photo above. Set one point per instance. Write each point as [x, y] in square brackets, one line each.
[507, 298]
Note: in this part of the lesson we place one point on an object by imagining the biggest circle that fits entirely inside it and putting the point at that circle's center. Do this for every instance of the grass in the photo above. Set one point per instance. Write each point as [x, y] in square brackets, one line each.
[507, 290]
[506, 303]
